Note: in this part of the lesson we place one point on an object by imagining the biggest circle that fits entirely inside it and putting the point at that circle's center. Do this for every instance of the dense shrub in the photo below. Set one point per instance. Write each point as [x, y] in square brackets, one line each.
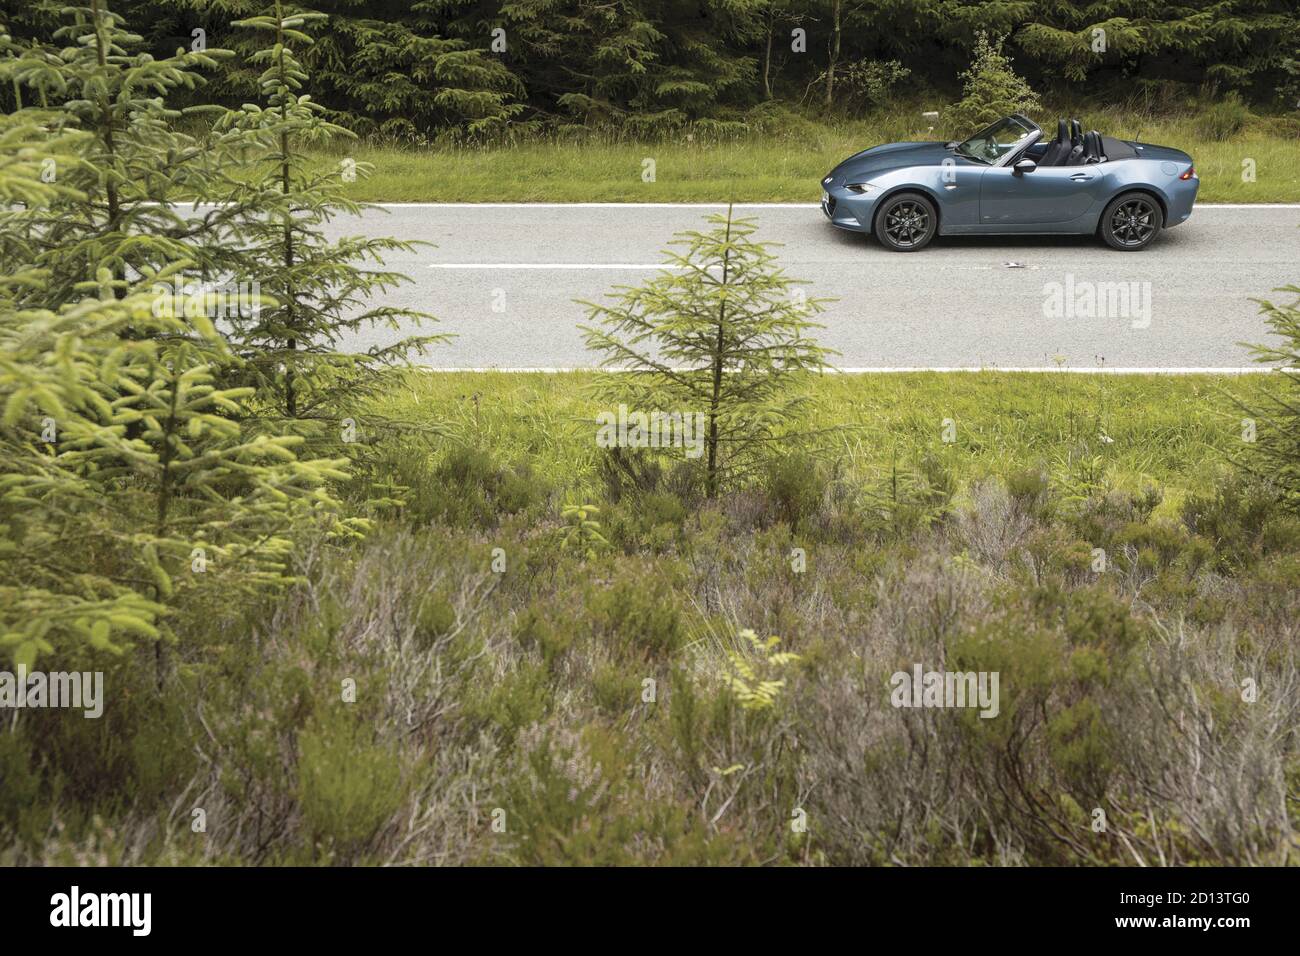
[464, 487]
[1222, 118]
[797, 488]
[597, 715]
[348, 787]
[637, 610]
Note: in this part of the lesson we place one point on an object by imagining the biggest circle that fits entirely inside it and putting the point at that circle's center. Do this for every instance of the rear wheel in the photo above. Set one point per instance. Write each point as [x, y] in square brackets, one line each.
[906, 222]
[1131, 222]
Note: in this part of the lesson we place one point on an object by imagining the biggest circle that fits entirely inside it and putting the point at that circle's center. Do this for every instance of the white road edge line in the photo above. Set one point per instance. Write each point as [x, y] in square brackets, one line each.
[717, 205]
[888, 370]
[680, 205]
[552, 265]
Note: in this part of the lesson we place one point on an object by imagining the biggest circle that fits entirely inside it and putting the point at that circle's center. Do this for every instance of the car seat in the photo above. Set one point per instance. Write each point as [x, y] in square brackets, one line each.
[1076, 145]
[1092, 147]
[1058, 151]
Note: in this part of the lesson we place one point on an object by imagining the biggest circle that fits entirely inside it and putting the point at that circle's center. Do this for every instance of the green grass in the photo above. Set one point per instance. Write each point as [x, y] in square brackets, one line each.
[1177, 431]
[781, 165]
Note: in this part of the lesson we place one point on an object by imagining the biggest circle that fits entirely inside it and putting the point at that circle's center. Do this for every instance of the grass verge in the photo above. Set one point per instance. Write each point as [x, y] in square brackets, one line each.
[784, 166]
[1173, 430]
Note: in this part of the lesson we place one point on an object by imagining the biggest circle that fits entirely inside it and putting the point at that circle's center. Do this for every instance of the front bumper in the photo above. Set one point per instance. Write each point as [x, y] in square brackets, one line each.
[847, 209]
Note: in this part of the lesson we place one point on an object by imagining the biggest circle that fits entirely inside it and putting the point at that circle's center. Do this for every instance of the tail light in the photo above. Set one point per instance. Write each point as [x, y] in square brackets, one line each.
[1190, 174]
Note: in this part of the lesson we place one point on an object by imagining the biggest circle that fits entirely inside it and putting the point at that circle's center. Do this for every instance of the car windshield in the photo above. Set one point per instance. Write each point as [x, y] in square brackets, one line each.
[993, 142]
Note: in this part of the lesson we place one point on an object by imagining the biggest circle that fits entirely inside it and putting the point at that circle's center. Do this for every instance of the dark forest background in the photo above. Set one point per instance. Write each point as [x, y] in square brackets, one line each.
[413, 70]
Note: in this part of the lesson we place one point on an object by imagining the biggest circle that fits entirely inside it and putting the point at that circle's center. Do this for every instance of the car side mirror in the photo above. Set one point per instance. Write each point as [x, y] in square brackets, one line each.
[1023, 166]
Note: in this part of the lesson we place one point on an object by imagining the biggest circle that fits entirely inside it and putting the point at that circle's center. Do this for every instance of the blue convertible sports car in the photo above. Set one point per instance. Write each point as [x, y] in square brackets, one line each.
[1007, 180]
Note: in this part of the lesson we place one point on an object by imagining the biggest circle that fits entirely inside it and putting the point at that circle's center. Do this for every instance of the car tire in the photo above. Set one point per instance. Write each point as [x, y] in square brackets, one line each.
[1131, 222]
[906, 222]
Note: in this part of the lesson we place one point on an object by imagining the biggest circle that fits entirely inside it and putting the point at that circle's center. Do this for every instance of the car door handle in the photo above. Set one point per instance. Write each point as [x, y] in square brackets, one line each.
[1080, 178]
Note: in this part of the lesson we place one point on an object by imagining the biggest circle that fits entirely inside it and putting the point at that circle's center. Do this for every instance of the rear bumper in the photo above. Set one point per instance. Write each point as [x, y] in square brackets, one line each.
[1182, 197]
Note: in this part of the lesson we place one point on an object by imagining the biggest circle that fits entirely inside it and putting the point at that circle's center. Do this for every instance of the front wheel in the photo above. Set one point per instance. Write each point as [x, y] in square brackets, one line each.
[906, 222]
[1131, 222]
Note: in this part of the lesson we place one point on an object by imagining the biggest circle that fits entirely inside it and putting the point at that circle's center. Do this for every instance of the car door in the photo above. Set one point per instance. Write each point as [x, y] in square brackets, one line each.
[1012, 201]
[957, 184]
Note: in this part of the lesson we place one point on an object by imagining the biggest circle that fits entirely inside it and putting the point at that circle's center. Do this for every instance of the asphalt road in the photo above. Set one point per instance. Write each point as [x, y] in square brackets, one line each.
[503, 279]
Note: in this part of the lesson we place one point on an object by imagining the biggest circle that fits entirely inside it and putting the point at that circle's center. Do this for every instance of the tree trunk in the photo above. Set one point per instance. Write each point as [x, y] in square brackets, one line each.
[165, 477]
[711, 484]
[286, 183]
[110, 186]
[767, 64]
[834, 58]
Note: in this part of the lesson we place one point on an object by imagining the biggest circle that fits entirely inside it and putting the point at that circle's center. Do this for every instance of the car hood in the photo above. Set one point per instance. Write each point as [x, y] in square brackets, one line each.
[869, 162]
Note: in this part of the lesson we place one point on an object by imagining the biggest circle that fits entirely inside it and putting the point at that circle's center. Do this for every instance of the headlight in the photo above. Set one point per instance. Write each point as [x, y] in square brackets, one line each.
[860, 188]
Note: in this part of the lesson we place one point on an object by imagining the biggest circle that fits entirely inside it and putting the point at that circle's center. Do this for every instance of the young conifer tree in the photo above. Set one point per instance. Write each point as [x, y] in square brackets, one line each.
[136, 495]
[1274, 455]
[130, 498]
[991, 89]
[135, 528]
[120, 210]
[48, 598]
[721, 331]
[129, 210]
[322, 287]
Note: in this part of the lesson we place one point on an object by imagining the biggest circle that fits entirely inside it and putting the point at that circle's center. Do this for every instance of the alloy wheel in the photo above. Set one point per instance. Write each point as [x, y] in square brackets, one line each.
[1131, 222]
[907, 222]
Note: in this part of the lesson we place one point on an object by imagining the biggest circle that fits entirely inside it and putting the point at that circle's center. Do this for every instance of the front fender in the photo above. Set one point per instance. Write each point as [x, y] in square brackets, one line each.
[953, 188]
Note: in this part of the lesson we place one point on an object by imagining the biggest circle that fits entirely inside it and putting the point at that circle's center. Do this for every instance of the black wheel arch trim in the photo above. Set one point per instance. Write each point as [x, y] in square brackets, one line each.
[1164, 208]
